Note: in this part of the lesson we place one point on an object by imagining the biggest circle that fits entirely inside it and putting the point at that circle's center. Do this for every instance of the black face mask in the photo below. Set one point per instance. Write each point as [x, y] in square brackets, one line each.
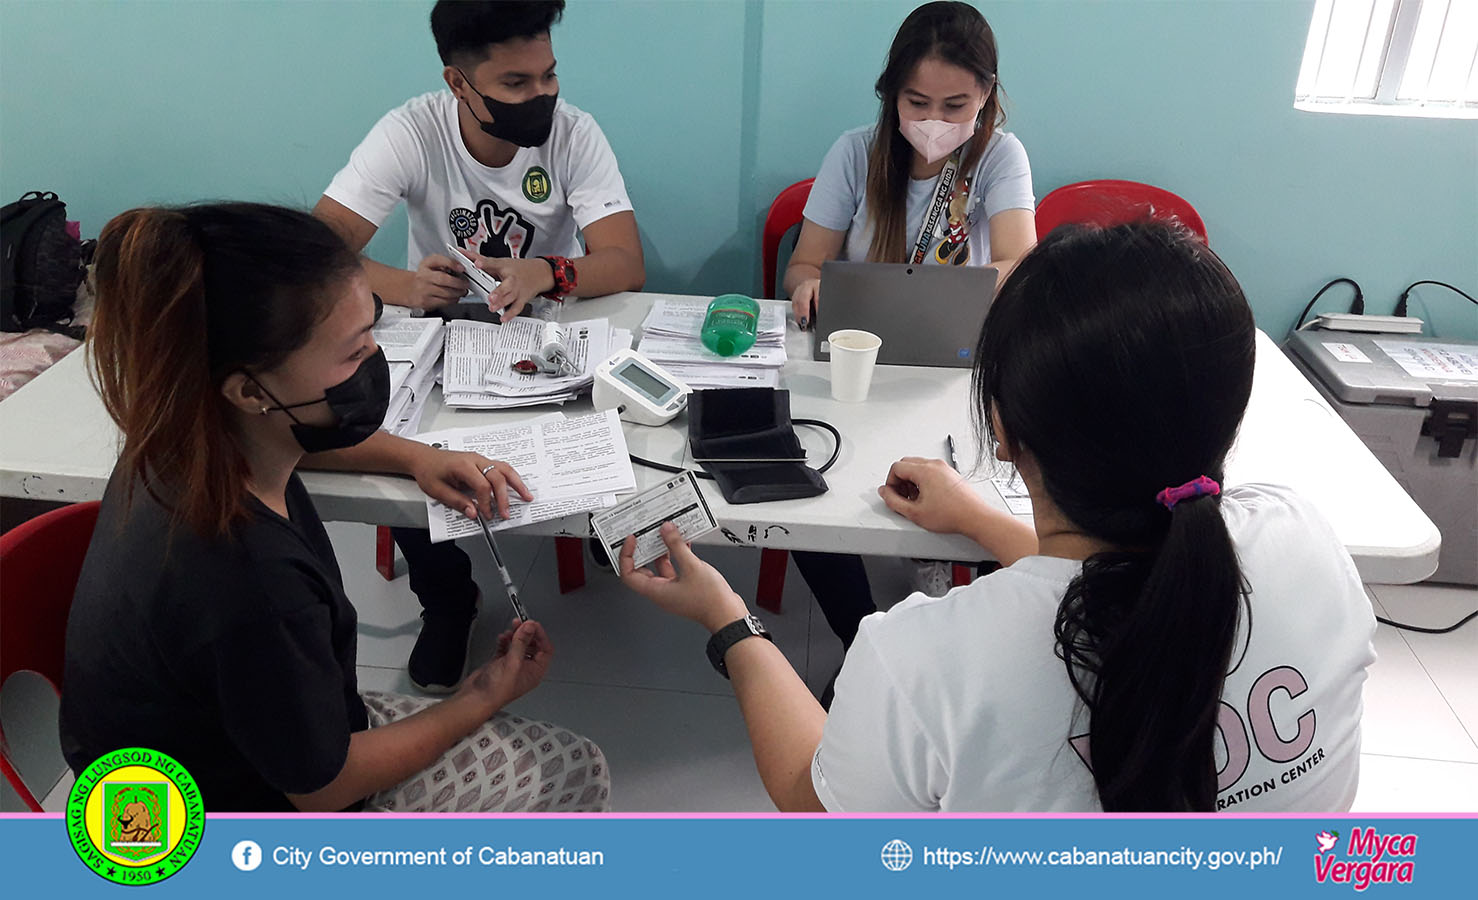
[525, 124]
[360, 401]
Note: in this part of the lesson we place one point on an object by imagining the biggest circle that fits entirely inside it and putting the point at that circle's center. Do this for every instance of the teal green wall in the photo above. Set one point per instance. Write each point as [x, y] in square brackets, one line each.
[714, 105]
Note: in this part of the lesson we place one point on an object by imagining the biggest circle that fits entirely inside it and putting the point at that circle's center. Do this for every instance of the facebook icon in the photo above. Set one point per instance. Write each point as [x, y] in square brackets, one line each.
[247, 855]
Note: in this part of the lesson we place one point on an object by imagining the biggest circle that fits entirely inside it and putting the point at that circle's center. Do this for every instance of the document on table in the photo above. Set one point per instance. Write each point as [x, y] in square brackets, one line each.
[480, 356]
[685, 317]
[701, 377]
[1437, 362]
[667, 349]
[473, 400]
[570, 465]
[585, 346]
[470, 346]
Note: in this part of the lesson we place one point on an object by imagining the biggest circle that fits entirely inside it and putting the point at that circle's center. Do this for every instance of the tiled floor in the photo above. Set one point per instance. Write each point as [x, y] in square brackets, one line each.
[637, 681]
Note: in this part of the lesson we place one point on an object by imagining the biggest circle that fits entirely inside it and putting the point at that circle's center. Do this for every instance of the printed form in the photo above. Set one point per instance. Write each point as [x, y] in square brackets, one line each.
[570, 465]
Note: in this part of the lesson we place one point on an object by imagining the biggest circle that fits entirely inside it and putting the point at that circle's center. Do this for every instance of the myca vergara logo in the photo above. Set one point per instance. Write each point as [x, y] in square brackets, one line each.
[135, 817]
[1371, 858]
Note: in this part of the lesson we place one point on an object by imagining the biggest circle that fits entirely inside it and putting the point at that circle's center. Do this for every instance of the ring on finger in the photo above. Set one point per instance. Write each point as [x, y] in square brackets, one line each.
[488, 468]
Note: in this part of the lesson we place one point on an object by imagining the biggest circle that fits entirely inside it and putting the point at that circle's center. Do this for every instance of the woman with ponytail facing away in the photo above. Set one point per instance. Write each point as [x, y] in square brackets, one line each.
[210, 621]
[1157, 640]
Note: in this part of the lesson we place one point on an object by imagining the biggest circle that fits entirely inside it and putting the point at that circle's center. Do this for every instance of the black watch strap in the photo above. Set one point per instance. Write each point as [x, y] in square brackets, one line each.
[731, 634]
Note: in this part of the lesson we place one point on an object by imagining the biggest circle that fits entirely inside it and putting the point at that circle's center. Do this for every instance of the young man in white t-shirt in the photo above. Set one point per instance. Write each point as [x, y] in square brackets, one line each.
[512, 176]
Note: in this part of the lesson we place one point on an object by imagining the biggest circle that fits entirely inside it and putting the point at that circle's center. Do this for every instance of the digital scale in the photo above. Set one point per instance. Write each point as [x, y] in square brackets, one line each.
[640, 390]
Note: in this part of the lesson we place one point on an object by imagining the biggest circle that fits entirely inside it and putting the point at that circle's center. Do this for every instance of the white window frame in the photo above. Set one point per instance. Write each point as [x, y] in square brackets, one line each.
[1395, 54]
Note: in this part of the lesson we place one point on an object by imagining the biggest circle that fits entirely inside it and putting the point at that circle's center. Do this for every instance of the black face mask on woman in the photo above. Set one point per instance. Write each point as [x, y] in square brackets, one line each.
[525, 124]
[360, 401]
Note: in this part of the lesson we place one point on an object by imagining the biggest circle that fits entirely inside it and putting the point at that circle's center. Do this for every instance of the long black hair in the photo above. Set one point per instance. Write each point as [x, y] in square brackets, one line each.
[1120, 361]
[955, 33]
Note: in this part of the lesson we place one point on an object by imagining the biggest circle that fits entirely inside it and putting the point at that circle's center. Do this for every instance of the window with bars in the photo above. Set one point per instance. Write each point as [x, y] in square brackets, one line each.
[1391, 57]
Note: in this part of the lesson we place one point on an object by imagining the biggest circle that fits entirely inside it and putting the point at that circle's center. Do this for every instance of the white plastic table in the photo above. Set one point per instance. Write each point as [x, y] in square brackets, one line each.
[57, 443]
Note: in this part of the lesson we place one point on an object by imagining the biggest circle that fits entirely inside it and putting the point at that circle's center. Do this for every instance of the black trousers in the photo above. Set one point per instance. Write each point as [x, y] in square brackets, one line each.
[839, 583]
[441, 574]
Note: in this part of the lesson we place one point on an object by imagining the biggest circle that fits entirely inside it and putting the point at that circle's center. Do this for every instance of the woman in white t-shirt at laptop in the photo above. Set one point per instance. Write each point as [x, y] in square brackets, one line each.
[1156, 641]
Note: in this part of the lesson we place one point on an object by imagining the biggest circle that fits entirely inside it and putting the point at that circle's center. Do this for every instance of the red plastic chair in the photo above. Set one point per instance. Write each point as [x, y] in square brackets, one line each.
[1110, 202]
[785, 214]
[39, 564]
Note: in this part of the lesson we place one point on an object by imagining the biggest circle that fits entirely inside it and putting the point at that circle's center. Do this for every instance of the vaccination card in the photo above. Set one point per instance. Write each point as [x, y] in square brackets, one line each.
[676, 499]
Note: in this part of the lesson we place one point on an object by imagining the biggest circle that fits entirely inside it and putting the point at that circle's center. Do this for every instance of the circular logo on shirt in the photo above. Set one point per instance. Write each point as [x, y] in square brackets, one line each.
[135, 816]
[536, 184]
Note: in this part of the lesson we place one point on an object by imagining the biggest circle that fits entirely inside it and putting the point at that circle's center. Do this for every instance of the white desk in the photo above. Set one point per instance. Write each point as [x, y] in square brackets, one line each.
[57, 443]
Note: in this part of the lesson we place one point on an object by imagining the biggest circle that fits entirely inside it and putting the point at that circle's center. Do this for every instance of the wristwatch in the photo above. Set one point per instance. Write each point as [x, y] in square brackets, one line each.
[565, 277]
[731, 634]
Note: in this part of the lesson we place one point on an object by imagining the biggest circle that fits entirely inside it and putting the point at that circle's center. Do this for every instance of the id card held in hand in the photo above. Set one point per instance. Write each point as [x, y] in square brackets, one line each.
[675, 500]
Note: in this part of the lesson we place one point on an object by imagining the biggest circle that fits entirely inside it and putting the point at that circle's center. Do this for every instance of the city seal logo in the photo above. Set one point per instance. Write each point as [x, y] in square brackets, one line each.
[135, 816]
[536, 184]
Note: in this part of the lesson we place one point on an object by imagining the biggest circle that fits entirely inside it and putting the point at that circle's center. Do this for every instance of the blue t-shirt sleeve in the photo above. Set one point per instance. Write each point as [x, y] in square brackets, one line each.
[1005, 176]
[840, 185]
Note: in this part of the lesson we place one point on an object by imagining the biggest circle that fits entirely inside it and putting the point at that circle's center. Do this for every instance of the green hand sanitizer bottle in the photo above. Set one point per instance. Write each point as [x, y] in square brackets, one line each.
[732, 324]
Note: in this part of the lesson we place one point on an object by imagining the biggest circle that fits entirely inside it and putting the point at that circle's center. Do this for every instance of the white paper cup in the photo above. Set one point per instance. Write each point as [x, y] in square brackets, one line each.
[854, 354]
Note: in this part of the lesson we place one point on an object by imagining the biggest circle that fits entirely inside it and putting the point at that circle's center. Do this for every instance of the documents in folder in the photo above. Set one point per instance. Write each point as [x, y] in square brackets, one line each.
[412, 346]
[479, 370]
[409, 339]
[570, 465]
[408, 401]
[670, 338]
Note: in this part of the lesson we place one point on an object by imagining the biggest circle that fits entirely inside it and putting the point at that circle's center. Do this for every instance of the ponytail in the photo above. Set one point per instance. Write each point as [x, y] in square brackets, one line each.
[1147, 639]
[185, 297]
[1119, 362]
[150, 362]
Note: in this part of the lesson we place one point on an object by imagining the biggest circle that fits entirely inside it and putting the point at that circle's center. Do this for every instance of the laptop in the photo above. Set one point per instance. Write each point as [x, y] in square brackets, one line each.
[927, 315]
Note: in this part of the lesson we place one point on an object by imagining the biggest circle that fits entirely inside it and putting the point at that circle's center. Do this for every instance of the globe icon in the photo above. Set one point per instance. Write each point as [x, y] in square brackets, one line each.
[897, 855]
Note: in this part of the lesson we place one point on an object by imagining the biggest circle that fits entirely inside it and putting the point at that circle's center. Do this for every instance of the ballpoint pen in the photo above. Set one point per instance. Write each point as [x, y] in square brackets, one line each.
[518, 609]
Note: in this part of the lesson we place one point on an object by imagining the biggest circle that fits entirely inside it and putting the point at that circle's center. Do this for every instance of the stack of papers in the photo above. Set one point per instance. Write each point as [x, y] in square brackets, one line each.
[570, 465]
[479, 374]
[412, 347]
[670, 339]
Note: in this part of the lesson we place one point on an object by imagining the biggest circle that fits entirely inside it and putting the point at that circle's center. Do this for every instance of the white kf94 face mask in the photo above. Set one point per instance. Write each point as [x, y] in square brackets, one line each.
[935, 139]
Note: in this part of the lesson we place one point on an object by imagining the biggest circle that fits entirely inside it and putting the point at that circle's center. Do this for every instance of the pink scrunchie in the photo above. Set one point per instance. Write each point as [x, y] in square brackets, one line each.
[1201, 487]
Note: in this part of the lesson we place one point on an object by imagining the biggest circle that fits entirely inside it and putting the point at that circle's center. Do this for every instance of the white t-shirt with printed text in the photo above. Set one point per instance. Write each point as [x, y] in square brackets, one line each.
[534, 206]
[960, 704]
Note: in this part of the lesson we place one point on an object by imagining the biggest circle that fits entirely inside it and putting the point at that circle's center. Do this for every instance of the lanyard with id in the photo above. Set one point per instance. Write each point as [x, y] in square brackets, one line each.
[952, 202]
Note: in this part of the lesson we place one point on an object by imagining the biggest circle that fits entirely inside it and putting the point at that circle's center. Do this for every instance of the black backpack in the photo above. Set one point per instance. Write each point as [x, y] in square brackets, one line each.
[43, 265]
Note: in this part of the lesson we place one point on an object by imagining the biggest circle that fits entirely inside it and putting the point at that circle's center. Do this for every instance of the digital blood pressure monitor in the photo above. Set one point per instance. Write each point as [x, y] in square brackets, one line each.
[644, 392]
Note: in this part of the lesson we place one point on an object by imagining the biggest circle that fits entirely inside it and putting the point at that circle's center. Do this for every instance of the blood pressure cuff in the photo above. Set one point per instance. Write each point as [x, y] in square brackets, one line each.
[750, 423]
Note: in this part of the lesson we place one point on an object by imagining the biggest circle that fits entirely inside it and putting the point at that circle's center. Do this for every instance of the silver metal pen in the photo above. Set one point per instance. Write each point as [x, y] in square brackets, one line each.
[518, 609]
